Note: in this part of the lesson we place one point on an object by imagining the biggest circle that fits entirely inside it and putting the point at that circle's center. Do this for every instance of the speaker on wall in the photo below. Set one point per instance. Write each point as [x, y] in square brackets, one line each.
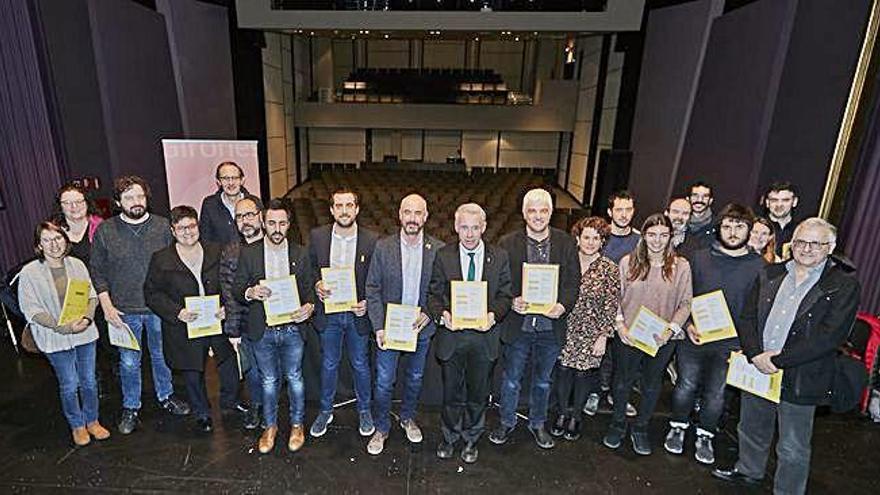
[613, 175]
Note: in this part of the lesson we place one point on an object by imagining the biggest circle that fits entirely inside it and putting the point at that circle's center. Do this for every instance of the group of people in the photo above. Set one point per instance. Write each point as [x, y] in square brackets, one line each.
[791, 304]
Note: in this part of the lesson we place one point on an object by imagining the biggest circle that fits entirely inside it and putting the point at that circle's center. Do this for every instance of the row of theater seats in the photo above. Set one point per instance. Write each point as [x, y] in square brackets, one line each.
[393, 85]
[381, 192]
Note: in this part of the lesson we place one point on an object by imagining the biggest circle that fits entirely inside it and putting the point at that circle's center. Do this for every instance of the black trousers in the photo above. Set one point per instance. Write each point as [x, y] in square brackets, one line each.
[466, 387]
[631, 364]
[572, 388]
[197, 393]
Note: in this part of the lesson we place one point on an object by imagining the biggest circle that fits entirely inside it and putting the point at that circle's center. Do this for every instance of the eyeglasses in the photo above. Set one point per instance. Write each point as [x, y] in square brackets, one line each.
[75, 202]
[813, 245]
[248, 215]
[53, 240]
[184, 228]
[230, 178]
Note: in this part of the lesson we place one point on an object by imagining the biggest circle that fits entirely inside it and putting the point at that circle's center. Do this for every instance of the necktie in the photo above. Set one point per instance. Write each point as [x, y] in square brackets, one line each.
[472, 268]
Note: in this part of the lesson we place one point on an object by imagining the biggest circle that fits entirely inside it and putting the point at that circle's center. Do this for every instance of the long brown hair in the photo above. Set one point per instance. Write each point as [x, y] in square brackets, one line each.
[769, 251]
[639, 264]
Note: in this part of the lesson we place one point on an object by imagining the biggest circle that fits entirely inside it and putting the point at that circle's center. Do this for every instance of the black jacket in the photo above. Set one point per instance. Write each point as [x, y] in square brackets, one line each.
[252, 269]
[168, 282]
[563, 252]
[447, 267]
[823, 322]
[215, 222]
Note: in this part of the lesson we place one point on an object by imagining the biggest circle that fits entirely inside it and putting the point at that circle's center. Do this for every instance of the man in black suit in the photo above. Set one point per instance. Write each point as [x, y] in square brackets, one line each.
[217, 218]
[526, 333]
[278, 348]
[339, 245]
[467, 354]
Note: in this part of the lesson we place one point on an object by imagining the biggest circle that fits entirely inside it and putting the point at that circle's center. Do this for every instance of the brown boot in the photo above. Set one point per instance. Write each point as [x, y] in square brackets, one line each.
[96, 430]
[297, 438]
[267, 440]
[81, 436]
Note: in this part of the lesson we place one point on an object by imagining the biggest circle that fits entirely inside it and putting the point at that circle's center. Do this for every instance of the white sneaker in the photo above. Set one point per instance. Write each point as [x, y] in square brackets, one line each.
[413, 432]
[377, 443]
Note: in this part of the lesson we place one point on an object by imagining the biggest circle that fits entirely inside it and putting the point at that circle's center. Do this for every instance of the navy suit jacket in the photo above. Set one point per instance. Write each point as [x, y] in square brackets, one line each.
[385, 278]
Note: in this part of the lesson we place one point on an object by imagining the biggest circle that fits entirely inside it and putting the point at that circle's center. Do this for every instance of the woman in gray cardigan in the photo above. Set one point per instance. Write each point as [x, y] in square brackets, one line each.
[70, 348]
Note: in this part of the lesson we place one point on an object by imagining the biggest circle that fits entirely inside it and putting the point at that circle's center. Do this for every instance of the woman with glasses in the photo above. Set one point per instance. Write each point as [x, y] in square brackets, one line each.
[652, 277]
[70, 347]
[187, 268]
[76, 215]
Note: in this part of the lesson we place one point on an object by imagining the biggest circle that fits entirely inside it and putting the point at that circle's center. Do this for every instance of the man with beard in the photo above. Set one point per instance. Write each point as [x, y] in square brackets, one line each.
[700, 225]
[121, 252]
[679, 212]
[525, 334]
[730, 266]
[279, 348]
[399, 274]
[250, 228]
[343, 244]
[780, 200]
[623, 238]
[217, 218]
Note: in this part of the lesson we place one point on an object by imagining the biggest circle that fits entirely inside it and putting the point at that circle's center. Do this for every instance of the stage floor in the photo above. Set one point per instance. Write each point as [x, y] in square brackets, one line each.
[166, 455]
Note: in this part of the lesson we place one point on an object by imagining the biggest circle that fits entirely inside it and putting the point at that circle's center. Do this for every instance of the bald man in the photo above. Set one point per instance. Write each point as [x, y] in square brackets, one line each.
[399, 274]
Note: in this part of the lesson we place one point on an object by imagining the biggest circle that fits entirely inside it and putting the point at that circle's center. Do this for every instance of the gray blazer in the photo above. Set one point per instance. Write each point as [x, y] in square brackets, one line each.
[385, 278]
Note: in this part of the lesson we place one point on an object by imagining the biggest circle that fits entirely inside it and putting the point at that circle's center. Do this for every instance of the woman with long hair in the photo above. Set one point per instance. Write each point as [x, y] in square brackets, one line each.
[76, 214]
[654, 277]
[70, 347]
[762, 239]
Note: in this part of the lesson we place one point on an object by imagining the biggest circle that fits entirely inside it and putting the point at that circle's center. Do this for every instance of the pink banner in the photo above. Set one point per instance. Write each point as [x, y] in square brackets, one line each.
[190, 165]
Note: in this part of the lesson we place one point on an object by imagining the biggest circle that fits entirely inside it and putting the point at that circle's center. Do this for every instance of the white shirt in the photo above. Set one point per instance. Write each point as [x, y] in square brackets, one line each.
[411, 269]
[230, 207]
[479, 254]
[277, 262]
[343, 250]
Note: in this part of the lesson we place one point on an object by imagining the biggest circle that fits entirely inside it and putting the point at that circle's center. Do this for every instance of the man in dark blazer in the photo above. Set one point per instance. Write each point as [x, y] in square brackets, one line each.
[466, 354]
[279, 348]
[217, 218]
[797, 316]
[525, 334]
[343, 244]
[399, 273]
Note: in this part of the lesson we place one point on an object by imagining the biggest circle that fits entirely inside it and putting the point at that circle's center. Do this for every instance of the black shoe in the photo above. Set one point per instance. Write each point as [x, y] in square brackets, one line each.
[175, 406]
[734, 476]
[205, 425]
[558, 428]
[542, 438]
[614, 436]
[252, 418]
[573, 430]
[469, 453]
[235, 407]
[128, 421]
[500, 435]
[445, 450]
[640, 441]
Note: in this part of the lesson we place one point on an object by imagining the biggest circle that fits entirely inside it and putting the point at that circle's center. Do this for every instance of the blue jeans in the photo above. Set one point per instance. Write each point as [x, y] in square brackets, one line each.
[279, 355]
[341, 328]
[544, 350]
[703, 369]
[75, 370]
[130, 361]
[386, 374]
[252, 377]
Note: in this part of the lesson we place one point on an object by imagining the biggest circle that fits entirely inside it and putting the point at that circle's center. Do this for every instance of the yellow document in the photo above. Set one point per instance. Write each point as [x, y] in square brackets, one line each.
[341, 283]
[540, 284]
[76, 301]
[470, 304]
[284, 301]
[400, 334]
[644, 328]
[745, 376]
[712, 317]
[207, 323]
[123, 337]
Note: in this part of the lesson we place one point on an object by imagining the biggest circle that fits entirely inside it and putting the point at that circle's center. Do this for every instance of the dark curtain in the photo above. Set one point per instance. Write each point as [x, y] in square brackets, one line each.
[861, 224]
[30, 171]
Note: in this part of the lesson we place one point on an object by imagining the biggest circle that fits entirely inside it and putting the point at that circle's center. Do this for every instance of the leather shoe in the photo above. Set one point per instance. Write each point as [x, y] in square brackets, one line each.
[469, 453]
[81, 436]
[267, 440]
[297, 438]
[205, 425]
[542, 438]
[96, 430]
[445, 450]
[734, 476]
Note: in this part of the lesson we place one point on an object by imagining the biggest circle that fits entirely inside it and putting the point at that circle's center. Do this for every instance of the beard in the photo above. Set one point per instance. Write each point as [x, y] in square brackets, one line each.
[411, 228]
[135, 212]
[733, 246]
[345, 222]
[249, 231]
[277, 237]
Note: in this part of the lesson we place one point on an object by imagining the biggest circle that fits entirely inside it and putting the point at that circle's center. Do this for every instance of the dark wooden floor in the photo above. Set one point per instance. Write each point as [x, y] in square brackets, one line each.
[166, 455]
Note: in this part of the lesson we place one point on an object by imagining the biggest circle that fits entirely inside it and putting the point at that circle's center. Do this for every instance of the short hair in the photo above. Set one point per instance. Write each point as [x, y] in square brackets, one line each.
[537, 195]
[599, 224]
[470, 209]
[346, 190]
[253, 199]
[700, 183]
[178, 213]
[126, 182]
[780, 186]
[222, 164]
[277, 204]
[817, 222]
[58, 214]
[736, 212]
[54, 227]
[622, 194]
[673, 200]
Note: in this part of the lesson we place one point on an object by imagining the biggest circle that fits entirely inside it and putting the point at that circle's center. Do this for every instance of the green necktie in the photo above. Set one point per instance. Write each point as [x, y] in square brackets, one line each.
[472, 268]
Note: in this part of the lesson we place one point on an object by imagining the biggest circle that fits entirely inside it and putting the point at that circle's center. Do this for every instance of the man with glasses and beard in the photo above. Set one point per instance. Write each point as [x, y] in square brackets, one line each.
[120, 257]
[731, 267]
[679, 212]
[701, 226]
